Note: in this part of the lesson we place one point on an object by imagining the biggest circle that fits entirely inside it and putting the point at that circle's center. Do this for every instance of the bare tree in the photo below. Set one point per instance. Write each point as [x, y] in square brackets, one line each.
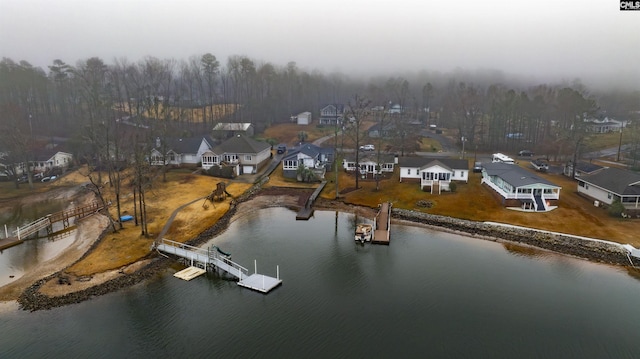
[355, 114]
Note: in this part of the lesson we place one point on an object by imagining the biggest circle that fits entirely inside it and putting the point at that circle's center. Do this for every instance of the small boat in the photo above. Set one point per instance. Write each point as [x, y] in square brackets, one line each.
[364, 232]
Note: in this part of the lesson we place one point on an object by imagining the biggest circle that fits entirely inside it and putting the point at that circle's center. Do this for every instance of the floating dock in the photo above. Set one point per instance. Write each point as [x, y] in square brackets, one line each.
[189, 273]
[214, 259]
[382, 225]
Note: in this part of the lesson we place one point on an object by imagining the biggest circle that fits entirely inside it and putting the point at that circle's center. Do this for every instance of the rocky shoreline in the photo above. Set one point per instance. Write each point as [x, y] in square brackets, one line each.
[597, 251]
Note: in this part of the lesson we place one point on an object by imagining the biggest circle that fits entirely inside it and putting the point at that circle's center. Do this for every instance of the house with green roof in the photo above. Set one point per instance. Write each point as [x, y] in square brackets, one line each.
[519, 188]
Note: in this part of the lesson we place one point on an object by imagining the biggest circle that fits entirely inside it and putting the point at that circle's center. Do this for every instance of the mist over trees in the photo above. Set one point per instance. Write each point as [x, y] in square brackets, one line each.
[187, 97]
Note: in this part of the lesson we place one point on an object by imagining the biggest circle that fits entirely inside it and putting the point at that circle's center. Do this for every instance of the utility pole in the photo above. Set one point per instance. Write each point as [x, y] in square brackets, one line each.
[619, 145]
[335, 153]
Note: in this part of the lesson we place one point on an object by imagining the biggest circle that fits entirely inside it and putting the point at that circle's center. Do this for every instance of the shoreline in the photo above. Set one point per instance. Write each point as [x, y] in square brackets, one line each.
[33, 298]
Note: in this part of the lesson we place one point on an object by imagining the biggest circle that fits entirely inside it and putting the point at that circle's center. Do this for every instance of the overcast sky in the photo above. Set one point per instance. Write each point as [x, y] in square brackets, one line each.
[557, 38]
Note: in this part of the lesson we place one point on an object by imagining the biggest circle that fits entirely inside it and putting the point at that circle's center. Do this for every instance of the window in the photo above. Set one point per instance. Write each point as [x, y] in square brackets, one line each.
[408, 171]
[247, 157]
[609, 195]
[290, 165]
[231, 158]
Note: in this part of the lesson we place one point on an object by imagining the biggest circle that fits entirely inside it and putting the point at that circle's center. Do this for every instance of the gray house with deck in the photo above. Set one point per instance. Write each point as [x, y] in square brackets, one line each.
[521, 189]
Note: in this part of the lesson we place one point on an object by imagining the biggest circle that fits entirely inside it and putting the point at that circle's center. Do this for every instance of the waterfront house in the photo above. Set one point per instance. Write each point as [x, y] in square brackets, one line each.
[518, 188]
[435, 173]
[180, 151]
[610, 184]
[308, 156]
[369, 164]
[245, 154]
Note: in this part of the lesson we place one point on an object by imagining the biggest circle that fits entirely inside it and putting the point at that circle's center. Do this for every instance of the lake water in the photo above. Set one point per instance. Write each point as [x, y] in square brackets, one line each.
[17, 260]
[428, 294]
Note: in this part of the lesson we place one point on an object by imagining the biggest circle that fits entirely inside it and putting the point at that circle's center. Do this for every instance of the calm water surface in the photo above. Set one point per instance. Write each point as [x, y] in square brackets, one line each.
[428, 294]
[17, 260]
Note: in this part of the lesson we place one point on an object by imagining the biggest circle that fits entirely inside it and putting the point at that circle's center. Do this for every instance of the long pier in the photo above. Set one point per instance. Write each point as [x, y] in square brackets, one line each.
[212, 259]
[382, 224]
[307, 211]
[24, 232]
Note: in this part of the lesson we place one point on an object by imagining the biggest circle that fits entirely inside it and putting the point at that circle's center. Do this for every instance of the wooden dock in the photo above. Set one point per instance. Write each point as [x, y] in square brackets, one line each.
[189, 273]
[9, 242]
[21, 233]
[307, 211]
[381, 235]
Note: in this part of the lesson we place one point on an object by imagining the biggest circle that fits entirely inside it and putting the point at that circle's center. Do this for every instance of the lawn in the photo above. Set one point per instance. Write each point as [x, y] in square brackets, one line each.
[129, 245]
[473, 201]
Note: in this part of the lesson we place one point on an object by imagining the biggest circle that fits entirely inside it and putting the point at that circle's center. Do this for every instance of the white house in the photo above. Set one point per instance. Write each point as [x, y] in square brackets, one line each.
[368, 164]
[435, 173]
[604, 125]
[242, 152]
[519, 188]
[45, 159]
[180, 151]
[303, 118]
[610, 184]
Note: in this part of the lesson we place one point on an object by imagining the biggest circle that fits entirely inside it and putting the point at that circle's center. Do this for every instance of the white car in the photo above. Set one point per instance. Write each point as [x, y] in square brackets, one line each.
[367, 148]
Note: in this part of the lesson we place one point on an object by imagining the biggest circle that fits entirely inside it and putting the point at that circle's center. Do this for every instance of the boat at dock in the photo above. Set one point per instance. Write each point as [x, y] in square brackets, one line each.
[364, 232]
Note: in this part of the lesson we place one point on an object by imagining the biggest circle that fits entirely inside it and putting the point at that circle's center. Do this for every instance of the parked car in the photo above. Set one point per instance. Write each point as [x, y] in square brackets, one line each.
[540, 164]
[477, 167]
[282, 148]
[525, 153]
[367, 148]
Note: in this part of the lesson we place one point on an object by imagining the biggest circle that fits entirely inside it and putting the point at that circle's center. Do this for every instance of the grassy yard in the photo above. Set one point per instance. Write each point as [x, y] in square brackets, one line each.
[129, 245]
[472, 201]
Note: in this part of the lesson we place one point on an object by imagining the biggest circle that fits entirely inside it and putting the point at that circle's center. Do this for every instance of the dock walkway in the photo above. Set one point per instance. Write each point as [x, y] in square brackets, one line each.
[307, 211]
[382, 225]
[211, 259]
[21, 233]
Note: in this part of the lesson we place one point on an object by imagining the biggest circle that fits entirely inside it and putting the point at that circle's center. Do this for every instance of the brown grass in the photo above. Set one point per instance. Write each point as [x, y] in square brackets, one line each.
[575, 214]
[193, 115]
[128, 245]
[288, 132]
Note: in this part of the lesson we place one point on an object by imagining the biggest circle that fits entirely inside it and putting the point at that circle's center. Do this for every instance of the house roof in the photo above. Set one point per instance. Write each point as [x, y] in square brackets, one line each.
[515, 175]
[339, 107]
[231, 126]
[386, 126]
[184, 145]
[618, 181]
[587, 167]
[308, 149]
[241, 144]
[425, 162]
[47, 153]
[371, 157]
